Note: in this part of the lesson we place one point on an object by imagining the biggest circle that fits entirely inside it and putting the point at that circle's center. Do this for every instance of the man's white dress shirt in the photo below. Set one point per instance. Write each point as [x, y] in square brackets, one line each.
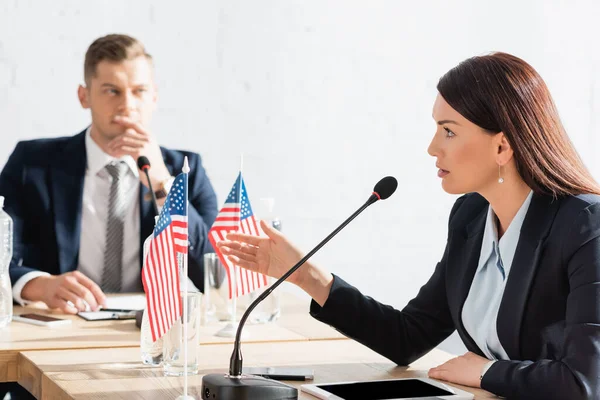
[94, 214]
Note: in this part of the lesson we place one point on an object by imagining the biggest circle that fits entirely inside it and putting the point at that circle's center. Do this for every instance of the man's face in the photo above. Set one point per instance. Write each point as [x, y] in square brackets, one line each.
[119, 89]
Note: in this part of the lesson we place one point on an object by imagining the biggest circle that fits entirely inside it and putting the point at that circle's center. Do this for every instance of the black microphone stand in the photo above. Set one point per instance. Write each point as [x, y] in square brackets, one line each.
[154, 201]
[236, 386]
[144, 165]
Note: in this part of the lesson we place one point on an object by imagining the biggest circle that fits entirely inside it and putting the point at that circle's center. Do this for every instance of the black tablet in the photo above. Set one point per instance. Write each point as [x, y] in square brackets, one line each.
[394, 389]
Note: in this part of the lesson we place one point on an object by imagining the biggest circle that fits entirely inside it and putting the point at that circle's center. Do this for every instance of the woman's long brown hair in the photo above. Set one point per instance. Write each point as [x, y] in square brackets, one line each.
[502, 93]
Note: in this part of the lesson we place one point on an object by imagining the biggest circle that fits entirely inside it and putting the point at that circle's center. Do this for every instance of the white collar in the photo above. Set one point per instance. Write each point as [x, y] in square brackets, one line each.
[97, 159]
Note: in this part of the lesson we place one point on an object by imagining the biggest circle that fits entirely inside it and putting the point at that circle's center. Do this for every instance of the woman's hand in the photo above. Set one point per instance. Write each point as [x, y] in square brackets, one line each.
[273, 255]
[464, 370]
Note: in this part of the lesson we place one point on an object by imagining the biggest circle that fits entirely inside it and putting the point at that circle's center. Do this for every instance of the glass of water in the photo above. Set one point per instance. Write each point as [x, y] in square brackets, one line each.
[215, 302]
[173, 343]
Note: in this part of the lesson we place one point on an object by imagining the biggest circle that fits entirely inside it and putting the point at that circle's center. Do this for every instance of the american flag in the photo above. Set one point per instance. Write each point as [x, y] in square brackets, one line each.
[236, 215]
[160, 274]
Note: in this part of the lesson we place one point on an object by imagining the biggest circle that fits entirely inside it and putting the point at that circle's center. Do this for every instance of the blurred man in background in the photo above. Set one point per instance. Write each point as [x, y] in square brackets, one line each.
[80, 206]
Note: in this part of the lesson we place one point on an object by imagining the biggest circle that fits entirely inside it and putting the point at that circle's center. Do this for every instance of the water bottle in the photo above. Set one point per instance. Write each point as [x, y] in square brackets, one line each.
[152, 352]
[6, 239]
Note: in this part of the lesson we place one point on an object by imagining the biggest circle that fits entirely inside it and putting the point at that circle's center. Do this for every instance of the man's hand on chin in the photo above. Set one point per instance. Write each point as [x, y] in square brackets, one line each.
[137, 141]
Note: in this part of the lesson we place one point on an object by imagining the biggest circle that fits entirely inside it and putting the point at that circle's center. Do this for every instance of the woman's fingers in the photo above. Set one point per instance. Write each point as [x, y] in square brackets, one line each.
[228, 245]
[239, 254]
[251, 265]
[240, 237]
[271, 232]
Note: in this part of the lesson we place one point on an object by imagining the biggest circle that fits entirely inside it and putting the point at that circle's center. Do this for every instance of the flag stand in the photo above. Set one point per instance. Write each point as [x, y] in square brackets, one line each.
[184, 317]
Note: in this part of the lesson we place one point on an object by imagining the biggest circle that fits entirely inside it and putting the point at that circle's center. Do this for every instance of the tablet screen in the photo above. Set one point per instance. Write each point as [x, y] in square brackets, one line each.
[381, 390]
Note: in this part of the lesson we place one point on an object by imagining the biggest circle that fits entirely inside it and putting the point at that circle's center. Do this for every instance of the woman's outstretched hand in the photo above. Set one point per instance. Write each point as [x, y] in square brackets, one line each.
[273, 255]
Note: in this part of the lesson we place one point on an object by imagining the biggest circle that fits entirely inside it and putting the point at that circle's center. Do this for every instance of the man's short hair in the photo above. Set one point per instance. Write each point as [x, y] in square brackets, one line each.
[114, 48]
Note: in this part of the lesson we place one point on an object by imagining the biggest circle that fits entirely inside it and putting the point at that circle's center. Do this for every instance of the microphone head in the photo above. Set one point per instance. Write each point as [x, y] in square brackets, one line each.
[385, 187]
[143, 162]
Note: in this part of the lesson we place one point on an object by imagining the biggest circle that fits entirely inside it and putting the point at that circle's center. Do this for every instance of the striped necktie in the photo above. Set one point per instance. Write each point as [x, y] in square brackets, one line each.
[113, 252]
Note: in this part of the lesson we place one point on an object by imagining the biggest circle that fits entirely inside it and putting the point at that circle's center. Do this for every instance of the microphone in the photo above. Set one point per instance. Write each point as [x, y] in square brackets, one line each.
[236, 386]
[144, 164]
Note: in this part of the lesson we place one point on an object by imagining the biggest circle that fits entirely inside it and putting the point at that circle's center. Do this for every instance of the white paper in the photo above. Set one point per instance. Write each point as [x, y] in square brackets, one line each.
[128, 302]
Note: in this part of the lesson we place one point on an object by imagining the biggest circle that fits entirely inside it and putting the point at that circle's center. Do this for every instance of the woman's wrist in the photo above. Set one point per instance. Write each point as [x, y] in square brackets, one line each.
[485, 369]
[317, 283]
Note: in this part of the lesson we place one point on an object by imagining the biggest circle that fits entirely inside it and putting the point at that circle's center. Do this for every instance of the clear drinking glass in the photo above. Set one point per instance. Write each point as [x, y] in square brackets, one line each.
[269, 309]
[215, 301]
[173, 345]
[216, 305]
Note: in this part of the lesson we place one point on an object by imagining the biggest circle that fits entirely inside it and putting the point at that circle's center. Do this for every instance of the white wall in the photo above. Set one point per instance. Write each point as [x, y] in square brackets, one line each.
[323, 98]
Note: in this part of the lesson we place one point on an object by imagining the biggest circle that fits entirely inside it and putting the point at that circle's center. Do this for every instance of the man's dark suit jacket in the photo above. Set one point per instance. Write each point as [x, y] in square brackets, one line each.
[549, 317]
[42, 183]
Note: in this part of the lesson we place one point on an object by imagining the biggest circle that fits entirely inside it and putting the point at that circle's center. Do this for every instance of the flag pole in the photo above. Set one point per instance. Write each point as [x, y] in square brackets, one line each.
[236, 268]
[185, 170]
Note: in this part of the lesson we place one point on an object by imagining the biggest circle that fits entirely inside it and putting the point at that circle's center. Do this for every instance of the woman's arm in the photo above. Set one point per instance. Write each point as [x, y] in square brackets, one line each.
[402, 336]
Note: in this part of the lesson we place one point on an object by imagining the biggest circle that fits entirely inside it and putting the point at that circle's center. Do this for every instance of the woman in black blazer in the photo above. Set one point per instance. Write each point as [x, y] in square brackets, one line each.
[526, 297]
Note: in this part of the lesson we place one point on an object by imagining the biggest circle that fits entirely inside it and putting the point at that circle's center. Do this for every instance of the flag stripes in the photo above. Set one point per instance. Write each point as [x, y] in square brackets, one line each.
[160, 274]
[237, 216]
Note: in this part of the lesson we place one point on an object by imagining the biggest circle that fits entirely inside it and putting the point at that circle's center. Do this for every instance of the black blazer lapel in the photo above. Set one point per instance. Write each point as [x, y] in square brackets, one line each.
[463, 258]
[535, 229]
[66, 182]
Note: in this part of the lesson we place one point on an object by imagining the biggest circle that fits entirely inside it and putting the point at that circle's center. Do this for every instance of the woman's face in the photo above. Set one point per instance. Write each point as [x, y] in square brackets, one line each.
[466, 154]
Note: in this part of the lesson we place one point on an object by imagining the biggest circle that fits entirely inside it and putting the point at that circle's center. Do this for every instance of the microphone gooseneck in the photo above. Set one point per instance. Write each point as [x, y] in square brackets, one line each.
[236, 386]
[144, 164]
[383, 189]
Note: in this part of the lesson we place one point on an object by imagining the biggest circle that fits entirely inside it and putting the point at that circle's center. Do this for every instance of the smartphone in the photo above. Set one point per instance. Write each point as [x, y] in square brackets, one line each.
[282, 373]
[39, 319]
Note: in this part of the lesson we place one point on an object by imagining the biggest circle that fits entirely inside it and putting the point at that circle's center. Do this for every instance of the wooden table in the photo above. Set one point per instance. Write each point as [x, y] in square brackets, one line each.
[295, 325]
[118, 374]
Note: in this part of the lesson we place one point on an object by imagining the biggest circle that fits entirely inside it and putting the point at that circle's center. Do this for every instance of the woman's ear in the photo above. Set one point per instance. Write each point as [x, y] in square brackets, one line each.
[504, 149]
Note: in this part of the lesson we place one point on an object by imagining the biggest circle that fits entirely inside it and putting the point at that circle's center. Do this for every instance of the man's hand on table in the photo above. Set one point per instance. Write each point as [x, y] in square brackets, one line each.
[68, 292]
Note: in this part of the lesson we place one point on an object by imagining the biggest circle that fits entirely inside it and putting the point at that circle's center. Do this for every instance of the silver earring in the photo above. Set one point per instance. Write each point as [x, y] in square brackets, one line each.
[500, 178]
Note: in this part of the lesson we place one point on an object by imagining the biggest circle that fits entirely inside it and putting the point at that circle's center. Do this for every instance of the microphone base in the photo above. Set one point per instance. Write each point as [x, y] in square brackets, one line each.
[246, 387]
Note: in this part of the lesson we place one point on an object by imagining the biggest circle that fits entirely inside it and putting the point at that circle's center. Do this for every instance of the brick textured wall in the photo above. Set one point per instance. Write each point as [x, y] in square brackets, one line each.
[322, 98]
